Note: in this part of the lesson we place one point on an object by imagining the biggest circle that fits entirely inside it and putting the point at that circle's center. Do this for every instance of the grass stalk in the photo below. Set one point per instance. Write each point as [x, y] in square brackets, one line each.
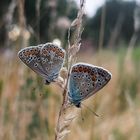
[65, 118]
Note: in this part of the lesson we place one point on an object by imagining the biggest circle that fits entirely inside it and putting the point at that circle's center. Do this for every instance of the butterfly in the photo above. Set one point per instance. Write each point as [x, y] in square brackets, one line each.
[44, 59]
[85, 80]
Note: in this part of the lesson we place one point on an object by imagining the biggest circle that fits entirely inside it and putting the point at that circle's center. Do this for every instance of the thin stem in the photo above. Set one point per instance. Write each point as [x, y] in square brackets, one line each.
[69, 59]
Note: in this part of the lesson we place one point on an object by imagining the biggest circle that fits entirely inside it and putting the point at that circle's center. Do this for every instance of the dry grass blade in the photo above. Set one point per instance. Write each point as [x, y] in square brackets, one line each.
[76, 27]
[66, 115]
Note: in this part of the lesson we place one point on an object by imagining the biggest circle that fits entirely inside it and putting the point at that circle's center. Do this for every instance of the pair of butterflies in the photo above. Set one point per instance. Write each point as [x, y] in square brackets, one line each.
[47, 61]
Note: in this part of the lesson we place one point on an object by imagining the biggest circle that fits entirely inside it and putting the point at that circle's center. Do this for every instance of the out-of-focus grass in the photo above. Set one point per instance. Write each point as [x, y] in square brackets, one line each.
[29, 109]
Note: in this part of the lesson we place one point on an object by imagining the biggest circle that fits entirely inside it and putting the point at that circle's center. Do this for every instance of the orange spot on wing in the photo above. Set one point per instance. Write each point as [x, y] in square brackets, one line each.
[32, 52]
[26, 53]
[93, 78]
[35, 51]
[61, 54]
[88, 70]
[51, 49]
[85, 69]
[75, 69]
[80, 68]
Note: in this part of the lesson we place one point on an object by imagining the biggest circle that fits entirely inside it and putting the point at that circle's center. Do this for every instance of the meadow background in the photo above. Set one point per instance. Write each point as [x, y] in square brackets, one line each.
[29, 109]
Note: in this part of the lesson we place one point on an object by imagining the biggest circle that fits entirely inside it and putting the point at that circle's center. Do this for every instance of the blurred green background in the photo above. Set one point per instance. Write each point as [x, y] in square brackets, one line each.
[111, 39]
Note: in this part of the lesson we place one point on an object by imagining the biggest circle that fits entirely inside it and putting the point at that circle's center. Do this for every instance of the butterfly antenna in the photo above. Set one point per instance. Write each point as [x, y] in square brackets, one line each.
[90, 110]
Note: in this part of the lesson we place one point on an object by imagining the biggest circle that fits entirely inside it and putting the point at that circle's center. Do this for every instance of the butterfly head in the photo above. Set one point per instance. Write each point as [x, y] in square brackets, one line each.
[78, 105]
[47, 82]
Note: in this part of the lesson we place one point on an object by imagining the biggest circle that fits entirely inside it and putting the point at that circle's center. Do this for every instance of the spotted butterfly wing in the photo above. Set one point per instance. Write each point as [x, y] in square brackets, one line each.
[85, 80]
[31, 57]
[52, 58]
[34, 58]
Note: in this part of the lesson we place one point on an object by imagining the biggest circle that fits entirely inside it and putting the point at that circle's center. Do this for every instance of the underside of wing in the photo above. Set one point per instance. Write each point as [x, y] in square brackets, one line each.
[52, 58]
[31, 57]
[85, 80]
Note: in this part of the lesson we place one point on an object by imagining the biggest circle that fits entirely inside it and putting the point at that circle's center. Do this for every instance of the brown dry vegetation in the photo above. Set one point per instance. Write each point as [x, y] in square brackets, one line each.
[29, 109]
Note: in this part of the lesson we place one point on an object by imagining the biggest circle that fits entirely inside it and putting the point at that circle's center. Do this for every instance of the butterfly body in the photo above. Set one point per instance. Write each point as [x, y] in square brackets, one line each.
[45, 59]
[85, 80]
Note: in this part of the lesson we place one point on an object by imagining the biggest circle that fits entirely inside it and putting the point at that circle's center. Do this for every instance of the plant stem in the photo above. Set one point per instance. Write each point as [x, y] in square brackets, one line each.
[64, 121]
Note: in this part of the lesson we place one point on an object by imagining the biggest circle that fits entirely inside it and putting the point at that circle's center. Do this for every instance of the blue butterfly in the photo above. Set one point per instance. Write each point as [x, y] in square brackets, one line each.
[85, 80]
[44, 59]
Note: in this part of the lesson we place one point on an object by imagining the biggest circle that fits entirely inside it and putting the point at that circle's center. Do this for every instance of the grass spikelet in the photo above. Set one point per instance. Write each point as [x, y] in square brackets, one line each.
[66, 118]
[64, 73]
[68, 112]
[60, 82]
[74, 49]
